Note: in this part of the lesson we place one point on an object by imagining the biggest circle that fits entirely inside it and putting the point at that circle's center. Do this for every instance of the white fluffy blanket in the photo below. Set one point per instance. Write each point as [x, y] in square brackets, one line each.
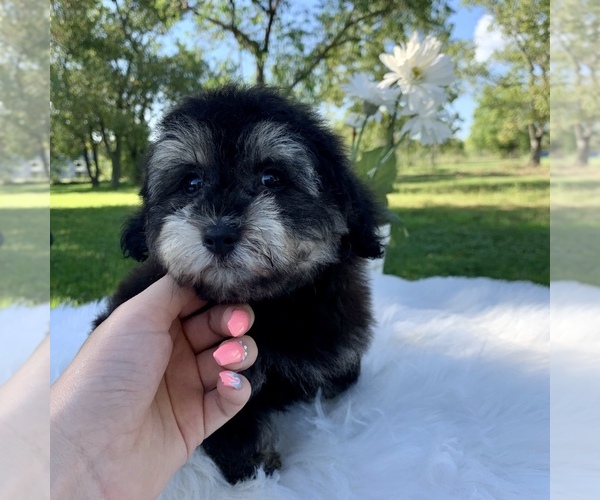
[453, 402]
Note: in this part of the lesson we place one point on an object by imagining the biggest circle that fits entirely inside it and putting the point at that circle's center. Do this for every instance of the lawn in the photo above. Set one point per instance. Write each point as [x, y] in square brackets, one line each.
[85, 258]
[24, 253]
[575, 222]
[472, 219]
[466, 219]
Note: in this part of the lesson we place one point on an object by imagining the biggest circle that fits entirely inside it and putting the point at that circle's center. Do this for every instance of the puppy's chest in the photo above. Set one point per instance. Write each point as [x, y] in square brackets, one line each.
[298, 331]
[288, 329]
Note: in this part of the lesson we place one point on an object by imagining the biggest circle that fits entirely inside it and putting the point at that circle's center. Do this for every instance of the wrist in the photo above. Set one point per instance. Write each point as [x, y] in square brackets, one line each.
[72, 476]
[72, 473]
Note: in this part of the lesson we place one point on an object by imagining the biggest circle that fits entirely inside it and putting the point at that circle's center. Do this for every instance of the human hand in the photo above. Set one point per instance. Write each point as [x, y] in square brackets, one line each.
[144, 391]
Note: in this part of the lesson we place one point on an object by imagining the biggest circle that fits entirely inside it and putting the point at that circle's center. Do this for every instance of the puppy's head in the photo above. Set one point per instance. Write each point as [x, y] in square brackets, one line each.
[247, 195]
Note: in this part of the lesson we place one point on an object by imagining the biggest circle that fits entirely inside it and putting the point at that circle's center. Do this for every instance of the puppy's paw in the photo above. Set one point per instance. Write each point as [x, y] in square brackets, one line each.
[242, 470]
[271, 461]
[236, 473]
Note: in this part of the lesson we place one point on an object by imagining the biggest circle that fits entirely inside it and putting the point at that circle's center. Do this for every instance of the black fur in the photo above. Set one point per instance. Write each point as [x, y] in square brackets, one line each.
[311, 329]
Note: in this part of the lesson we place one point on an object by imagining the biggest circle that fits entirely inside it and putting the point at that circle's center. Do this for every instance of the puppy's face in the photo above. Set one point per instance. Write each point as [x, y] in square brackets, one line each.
[243, 208]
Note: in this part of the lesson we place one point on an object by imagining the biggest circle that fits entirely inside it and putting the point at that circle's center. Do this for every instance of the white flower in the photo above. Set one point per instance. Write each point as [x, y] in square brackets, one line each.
[361, 86]
[419, 70]
[427, 129]
[427, 126]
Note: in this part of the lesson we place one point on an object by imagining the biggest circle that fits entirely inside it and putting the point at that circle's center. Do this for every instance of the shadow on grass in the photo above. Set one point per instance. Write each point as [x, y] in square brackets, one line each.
[86, 260]
[451, 176]
[460, 188]
[586, 185]
[575, 242]
[472, 241]
[24, 264]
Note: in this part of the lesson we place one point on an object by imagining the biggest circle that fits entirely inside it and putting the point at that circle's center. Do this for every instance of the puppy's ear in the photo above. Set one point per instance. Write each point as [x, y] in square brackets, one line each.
[363, 217]
[133, 238]
[356, 203]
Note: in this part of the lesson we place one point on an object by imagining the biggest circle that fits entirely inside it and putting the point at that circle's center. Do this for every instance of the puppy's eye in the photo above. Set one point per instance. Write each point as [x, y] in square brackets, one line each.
[272, 179]
[192, 184]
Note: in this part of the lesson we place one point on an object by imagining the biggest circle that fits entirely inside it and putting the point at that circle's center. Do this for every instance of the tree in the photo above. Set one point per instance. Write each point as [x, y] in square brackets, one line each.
[575, 29]
[497, 120]
[109, 72]
[525, 24]
[309, 49]
[24, 87]
[112, 68]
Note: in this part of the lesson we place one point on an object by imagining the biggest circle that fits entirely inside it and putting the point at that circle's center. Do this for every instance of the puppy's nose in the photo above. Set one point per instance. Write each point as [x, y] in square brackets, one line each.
[221, 238]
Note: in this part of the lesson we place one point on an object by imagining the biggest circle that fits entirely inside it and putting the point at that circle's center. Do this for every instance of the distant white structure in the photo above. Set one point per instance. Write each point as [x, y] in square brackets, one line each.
[27, 170]
[73, 170]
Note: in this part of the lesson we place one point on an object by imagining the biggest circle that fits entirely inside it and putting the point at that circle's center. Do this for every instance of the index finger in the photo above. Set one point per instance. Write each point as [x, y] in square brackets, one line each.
[167, 301]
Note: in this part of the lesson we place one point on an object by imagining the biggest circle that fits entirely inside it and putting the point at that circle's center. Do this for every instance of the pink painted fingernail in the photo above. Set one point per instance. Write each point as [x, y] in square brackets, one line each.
[231, 379]
[239, 323]
[232, 351]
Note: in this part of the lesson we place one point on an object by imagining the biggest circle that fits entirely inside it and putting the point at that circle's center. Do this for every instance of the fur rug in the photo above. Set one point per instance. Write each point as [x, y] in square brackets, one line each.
[453, 402]
[22, 328]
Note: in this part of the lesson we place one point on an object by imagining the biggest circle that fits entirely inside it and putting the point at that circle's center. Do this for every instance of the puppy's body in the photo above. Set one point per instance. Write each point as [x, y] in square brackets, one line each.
[248, 198]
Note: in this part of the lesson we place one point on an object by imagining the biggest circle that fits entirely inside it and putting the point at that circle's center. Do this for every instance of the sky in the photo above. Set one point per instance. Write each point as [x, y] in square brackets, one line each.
[470, 23]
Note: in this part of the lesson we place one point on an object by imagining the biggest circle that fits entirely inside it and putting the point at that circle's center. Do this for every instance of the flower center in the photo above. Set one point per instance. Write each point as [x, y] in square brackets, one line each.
[417, 72]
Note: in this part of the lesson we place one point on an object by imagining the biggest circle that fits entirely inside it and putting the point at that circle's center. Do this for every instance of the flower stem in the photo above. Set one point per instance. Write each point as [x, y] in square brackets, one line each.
[358, 141]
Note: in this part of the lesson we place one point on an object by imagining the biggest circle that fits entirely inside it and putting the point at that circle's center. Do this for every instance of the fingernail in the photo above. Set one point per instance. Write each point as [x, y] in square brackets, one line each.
[232, 351]
[239, 323]
[231, 379]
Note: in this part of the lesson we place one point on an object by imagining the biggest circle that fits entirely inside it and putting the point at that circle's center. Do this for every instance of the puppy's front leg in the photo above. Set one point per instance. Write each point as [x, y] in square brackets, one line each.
[243, 445]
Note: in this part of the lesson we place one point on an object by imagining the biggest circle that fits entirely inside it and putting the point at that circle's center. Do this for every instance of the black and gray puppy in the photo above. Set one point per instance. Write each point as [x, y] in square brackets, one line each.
[248, 197]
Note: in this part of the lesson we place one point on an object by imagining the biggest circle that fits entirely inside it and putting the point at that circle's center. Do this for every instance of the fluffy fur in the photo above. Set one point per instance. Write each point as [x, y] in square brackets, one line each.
[249, 198]
[453, 401]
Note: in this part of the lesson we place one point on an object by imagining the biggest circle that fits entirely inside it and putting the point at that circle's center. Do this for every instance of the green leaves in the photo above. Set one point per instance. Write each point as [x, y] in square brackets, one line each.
[377, 168]
[518, 101]
[24, 119]
[111, 68]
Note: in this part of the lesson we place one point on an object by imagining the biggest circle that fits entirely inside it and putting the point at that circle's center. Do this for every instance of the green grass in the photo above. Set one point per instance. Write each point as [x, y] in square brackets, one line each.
[86, 259]
[472, 219]
[464, 219]
[575, 222]
[24, 254]
[83, 196]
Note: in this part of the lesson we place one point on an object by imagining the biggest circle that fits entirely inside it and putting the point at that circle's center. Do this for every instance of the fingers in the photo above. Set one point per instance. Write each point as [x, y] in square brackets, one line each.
[219, 322]
[167, 301]
[231, 394]
[235, 354]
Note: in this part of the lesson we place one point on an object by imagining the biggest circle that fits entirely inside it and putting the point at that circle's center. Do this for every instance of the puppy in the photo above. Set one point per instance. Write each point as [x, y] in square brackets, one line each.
[248, 197]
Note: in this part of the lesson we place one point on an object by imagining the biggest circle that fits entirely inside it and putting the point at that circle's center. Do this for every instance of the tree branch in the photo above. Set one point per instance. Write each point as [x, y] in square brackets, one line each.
[271, 12]
[243, 39]
[322, 50]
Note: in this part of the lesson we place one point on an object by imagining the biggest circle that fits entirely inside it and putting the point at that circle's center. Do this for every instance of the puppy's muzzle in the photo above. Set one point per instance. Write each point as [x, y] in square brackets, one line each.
[221, 238]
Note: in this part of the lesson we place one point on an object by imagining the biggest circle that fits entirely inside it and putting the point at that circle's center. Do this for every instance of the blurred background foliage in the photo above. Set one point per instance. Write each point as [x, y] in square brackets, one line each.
[117, 64]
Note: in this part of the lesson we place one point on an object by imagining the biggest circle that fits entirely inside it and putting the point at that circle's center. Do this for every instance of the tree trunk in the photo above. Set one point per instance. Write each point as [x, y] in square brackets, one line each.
[88, 165]
[583, 134]
[115, 158]
[260, 70]
[96, 178]
[535, 142]
[45, 161]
